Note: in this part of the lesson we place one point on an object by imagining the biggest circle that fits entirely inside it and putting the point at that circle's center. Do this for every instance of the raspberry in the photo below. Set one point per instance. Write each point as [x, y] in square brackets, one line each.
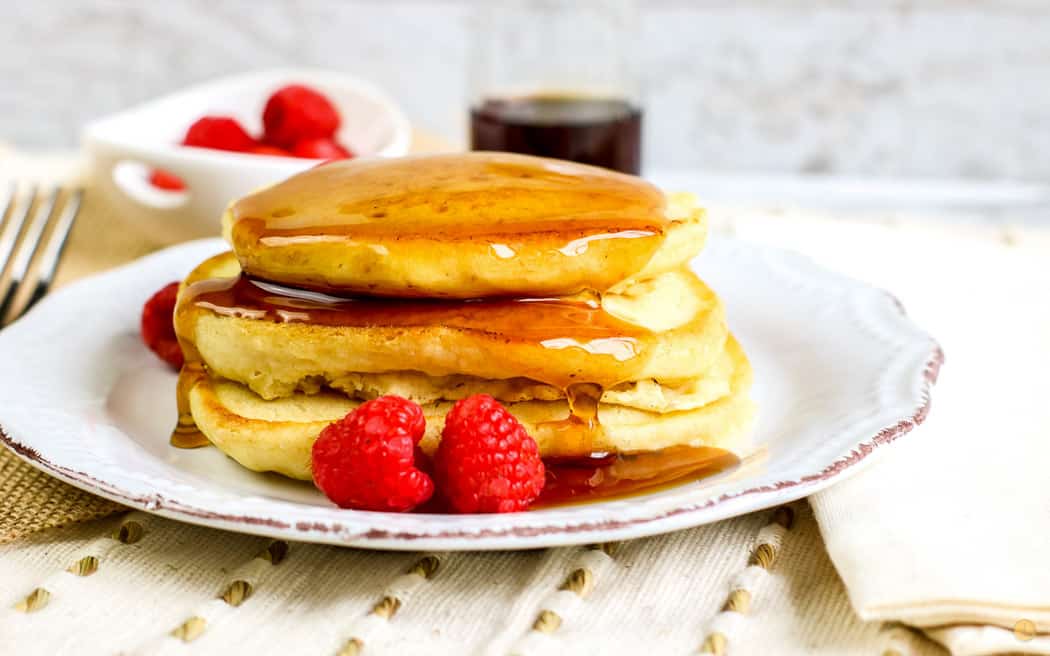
[263, 149]
[158, 329]
[296, 112]
[486, 462]
[166, 180]
[366, 460]
[220, 133]
[320, 148]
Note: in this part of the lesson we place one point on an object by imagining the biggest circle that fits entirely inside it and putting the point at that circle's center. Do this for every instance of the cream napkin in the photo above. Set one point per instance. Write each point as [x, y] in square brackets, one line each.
[949, 529]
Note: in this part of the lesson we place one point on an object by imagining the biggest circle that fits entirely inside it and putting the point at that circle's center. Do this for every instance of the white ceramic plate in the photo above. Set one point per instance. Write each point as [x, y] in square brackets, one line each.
[839, 371]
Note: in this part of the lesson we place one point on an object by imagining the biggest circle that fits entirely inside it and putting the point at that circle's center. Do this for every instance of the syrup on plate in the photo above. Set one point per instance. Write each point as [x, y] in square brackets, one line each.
[615, 476]
[607, 477]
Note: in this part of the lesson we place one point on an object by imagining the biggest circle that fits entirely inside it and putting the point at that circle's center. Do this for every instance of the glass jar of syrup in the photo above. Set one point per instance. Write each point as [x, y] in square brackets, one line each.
[557, 78]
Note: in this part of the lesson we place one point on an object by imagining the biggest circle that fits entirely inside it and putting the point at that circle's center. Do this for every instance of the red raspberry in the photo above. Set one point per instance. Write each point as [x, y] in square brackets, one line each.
[366, 460]
[296, 112]
[486, 462]
[167, 180]
[220, 133]
[320, 148]
[158, 329]
[263, 149]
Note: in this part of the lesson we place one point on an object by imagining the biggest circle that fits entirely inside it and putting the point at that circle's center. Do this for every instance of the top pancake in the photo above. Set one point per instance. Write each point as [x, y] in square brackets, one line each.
[462, 226]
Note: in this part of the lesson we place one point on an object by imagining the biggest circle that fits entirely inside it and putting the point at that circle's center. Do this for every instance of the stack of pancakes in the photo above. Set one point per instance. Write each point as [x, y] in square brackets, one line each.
[560, 289]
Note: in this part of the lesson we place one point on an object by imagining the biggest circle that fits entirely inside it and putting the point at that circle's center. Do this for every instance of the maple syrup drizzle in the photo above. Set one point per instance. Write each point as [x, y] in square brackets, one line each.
[463, 195]
[552, 323]
[581, 429]
[549, 322]
[186, 434]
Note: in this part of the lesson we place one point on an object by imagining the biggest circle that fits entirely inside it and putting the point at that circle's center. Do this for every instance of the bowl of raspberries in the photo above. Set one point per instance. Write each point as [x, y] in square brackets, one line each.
[172, 165]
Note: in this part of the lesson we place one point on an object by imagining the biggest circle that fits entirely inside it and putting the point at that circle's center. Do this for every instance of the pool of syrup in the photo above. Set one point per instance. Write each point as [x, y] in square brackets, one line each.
[608, 477]
[616, 476]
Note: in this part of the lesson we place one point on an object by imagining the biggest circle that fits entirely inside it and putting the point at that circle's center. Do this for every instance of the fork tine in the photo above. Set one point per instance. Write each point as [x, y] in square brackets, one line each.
[52, 254]
[9, 235]
[34, 231]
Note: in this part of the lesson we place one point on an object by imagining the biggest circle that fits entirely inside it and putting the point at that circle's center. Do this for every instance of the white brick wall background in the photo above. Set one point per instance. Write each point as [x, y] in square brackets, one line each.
[880, 87]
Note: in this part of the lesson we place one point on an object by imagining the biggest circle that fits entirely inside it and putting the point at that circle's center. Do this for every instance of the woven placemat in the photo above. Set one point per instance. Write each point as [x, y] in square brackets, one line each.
[30, 500]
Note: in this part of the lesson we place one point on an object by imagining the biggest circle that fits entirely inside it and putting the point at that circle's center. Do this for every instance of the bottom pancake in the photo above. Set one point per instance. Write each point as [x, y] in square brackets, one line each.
[277, 435]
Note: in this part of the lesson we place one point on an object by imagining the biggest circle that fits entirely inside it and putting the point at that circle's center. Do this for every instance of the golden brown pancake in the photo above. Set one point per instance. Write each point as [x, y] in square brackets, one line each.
[562, 290]
[462, 226]
[669, 328]
[652, 395]
[277, 435]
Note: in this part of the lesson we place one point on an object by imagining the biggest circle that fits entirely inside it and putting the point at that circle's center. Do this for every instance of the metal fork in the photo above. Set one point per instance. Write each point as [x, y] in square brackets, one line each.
[33, 229]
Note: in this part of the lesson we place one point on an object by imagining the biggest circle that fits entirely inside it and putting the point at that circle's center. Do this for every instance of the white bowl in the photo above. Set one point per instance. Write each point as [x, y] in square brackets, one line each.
[124, 148]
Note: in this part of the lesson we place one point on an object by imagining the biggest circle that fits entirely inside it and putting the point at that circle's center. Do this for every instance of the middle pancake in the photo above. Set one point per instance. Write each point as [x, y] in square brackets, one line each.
[277, 341]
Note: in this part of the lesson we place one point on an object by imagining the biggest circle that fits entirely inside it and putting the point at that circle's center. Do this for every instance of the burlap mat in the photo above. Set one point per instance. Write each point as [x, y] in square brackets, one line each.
[29, 499]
